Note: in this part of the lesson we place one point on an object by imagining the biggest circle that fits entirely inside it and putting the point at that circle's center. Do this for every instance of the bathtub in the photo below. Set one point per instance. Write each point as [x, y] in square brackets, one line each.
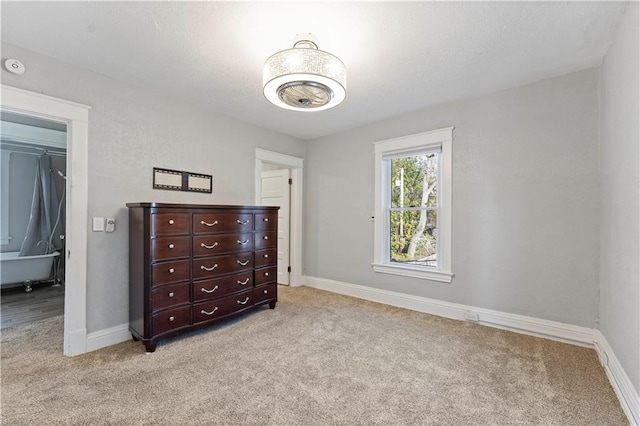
[23, 270]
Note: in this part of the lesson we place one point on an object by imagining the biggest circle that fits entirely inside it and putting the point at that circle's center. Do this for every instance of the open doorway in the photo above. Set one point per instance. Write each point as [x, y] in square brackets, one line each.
[75, 117]
[32, 218]
[278, 182]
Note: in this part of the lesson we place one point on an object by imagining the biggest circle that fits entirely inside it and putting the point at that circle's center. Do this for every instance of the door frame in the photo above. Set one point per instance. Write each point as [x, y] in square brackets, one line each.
[76, 117]
[295, 164]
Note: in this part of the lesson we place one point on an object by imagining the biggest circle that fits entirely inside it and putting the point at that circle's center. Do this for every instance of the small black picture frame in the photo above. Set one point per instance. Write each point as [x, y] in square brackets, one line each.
[177, 180]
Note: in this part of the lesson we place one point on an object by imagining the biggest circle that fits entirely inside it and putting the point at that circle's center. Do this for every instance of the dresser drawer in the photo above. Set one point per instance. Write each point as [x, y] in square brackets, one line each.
[266, 275]
[171, 319]
[167, 296]
[266, 221]
[220, 287]
[170, 272]
[207, 245]
[170, 248]
[265, 239]
[208, 223]
[170, 223]
[266, 257]
[222, 265]
[265, 292]
[206, 311]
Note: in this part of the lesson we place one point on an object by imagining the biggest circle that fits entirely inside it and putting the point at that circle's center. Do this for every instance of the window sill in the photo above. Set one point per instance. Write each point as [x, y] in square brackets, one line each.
[413, 272]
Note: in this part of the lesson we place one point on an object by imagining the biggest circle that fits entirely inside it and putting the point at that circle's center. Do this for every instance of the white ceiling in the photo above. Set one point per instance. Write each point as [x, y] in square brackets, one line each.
[400, 57]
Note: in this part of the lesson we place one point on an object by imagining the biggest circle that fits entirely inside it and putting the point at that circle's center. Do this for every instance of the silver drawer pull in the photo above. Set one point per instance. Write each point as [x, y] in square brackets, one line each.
[204, 290]
[266, 274]
[209, 247]
[171, 270]
[266, 237]
[171, 319]
[242, 222]
[171, 222]
[245, 263]
[243, 243]
[266, 219]
[243, 282]
[265, 292]
[209, 269]
[245, 301]
[265, 255]
[209, 313]
[202, 222]
[171, 246]
[171, 294]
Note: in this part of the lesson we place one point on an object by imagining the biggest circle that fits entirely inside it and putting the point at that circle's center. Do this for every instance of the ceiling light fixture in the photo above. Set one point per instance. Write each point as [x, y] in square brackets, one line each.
[304, 78]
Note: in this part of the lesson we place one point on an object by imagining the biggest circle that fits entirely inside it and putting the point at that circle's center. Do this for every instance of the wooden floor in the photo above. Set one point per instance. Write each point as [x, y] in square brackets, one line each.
[18, 307]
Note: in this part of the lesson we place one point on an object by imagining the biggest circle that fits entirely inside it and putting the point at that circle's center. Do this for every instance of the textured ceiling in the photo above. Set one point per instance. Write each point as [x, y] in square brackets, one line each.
[400, 57]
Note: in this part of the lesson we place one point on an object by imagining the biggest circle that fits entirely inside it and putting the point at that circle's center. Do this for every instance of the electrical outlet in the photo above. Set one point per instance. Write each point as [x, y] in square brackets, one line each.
[111, 224]
[471, 316]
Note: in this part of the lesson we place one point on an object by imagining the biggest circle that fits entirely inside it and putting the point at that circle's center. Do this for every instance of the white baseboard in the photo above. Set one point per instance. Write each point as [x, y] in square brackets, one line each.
[567, 333]
[107, 337]
[619, 379]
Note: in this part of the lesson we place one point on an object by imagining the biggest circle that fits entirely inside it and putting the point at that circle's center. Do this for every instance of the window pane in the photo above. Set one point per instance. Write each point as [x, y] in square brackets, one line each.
[414, 181]
[413, 237]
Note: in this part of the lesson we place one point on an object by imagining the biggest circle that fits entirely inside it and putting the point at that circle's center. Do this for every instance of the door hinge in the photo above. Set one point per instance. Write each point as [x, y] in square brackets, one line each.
[288, 268]
[290, 181]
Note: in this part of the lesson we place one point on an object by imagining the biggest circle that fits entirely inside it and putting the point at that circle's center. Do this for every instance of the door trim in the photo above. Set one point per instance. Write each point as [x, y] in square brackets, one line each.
[296, 166]
[76, 117]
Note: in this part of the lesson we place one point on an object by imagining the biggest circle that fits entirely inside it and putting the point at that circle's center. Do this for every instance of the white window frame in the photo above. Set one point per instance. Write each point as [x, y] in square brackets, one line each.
[440, 139]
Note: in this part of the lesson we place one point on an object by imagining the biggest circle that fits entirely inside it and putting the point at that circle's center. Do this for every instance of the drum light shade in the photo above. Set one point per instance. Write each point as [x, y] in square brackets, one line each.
[304, 78]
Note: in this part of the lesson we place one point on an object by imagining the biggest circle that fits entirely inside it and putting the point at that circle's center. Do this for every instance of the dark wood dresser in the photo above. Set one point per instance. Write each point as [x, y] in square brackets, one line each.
[191, 265]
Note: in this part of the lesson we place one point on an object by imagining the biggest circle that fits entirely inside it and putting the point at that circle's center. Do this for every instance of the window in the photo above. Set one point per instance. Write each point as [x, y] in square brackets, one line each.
[413, 206]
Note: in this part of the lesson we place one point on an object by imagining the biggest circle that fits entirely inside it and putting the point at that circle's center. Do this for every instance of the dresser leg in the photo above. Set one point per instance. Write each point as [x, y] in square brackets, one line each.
[150, 346]
[272, 304]
[135, 339]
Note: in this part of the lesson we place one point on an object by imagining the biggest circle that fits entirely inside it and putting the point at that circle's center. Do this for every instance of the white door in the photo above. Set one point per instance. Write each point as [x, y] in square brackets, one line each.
[276, 192]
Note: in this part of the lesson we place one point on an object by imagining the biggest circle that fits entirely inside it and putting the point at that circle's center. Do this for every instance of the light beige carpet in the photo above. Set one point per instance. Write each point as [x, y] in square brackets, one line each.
[317, 359]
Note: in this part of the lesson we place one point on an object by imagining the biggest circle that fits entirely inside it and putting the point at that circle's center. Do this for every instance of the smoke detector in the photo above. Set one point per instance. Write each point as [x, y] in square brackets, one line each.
[14, 66]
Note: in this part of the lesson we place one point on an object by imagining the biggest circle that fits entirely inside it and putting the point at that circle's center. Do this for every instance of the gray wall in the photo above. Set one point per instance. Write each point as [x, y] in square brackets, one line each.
[619, 192]
[22, 172]
[130, 132]
[525, 201]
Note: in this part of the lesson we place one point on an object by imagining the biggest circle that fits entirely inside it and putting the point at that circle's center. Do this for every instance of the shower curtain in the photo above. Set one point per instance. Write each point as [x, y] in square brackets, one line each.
[44, 211]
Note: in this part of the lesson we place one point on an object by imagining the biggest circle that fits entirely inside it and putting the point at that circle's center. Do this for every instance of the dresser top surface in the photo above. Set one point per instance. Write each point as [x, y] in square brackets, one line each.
[155, 205]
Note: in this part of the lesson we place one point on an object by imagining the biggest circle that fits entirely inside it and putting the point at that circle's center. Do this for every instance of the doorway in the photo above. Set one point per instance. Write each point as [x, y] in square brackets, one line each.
[76, 118]
[278, 182]
[276, 191]
[32, 218]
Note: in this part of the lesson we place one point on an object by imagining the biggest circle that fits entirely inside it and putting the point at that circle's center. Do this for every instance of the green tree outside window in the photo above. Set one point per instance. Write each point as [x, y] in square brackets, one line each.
[414, 209]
